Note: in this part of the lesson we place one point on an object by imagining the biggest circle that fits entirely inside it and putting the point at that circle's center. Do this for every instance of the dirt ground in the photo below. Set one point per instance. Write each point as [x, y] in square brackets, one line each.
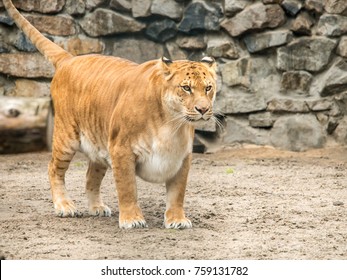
[245, 203]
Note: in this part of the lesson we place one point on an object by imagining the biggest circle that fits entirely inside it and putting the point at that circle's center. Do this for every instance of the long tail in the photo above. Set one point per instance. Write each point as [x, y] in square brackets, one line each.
[50, 50]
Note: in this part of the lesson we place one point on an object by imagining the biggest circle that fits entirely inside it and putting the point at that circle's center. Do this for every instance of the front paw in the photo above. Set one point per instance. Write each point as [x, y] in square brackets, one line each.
[175, 219]
[66, 208]
[132, 219]
[178, 224]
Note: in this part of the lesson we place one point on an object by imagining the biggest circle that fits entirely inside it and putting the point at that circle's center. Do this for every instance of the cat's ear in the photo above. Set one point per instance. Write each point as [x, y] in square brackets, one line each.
[209, 60]
[166, 64]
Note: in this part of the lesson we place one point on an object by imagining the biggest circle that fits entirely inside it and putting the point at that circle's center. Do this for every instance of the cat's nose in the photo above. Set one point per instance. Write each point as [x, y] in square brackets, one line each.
[201, 109]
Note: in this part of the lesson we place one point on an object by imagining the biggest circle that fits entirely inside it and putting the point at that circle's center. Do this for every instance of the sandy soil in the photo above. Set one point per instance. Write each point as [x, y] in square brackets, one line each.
[245, 203]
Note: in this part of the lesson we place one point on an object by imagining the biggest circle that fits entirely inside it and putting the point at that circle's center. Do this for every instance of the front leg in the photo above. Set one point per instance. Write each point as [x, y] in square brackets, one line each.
[175, 191]
[123, 165]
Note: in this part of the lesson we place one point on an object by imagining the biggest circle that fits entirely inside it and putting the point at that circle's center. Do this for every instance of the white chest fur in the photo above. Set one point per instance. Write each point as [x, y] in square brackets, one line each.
[160, 158]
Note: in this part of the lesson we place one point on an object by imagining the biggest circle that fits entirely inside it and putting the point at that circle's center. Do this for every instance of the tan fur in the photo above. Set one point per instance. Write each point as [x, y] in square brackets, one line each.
[136, 119]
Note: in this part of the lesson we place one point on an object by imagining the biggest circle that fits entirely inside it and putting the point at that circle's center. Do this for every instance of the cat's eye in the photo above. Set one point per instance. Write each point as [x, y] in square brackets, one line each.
[186, 88]
[208, 88]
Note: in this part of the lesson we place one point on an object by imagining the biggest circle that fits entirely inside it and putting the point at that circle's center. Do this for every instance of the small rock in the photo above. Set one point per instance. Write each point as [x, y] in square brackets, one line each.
[22, 43]
[73, 7]
[175, 53]
[162, 30]
[342, 47]
[58, 25]
[45, 7]
[6, 19]
[338, 203]
[340, 133]
[141, 8]
[121, 5]
[83, 45]
[298, 133]
[105, 22]
[263, 120]
[320, 105]
[314, 5]
[302, 25]
[137, 50]
[31, 88]
[280, 105]
[332, 25]
[261, 41]
[297, 81]
[292, 7]
[191, 42]
[25, 65]
[222, 46]
[310, 54]
[336, 7]
[232, 7]
[254, 17]
[170, 9]
[198, 16]
[333, 81]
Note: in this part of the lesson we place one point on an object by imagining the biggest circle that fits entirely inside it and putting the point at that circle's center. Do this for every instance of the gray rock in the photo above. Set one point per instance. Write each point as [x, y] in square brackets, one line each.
[170, 9]
[240, 103]
[298, 133]
[332, 25]
[141, 8]
[4, 48]
[262, 120]
[191, 42]
[314, 6]
[198, 16]
[175, 53]
[333, 81]
[320, 105]
[6, 19]
[310, 54]
[58, 25]
[284, 105]
[161, 30]
[292, 7]
[254, 17]
[296, 81]
[340, 133]
[342, 47]
[22, 43]
[336, 7]
[105, 22]
[238, 130]
[45, 7]
[236, 73]
[222, 46]
[25, 65]
[121, 5]
[73, 7]
[92, 4]
[302, 25]
[232, 7]
[255, 74]
[137, 50]
[261, 41]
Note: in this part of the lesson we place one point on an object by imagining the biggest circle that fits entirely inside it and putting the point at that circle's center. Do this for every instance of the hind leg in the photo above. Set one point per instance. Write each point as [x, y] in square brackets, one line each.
[95, 174]
[64, 149]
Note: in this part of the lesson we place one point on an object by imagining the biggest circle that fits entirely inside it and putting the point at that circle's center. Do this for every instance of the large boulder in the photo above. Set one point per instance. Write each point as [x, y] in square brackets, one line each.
[332, 25]
[161, 30]
[45, 7]
[170, 9]
[59, 25]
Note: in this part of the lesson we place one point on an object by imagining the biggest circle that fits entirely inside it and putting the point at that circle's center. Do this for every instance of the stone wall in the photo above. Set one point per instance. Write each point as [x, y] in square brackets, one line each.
[282, 63]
